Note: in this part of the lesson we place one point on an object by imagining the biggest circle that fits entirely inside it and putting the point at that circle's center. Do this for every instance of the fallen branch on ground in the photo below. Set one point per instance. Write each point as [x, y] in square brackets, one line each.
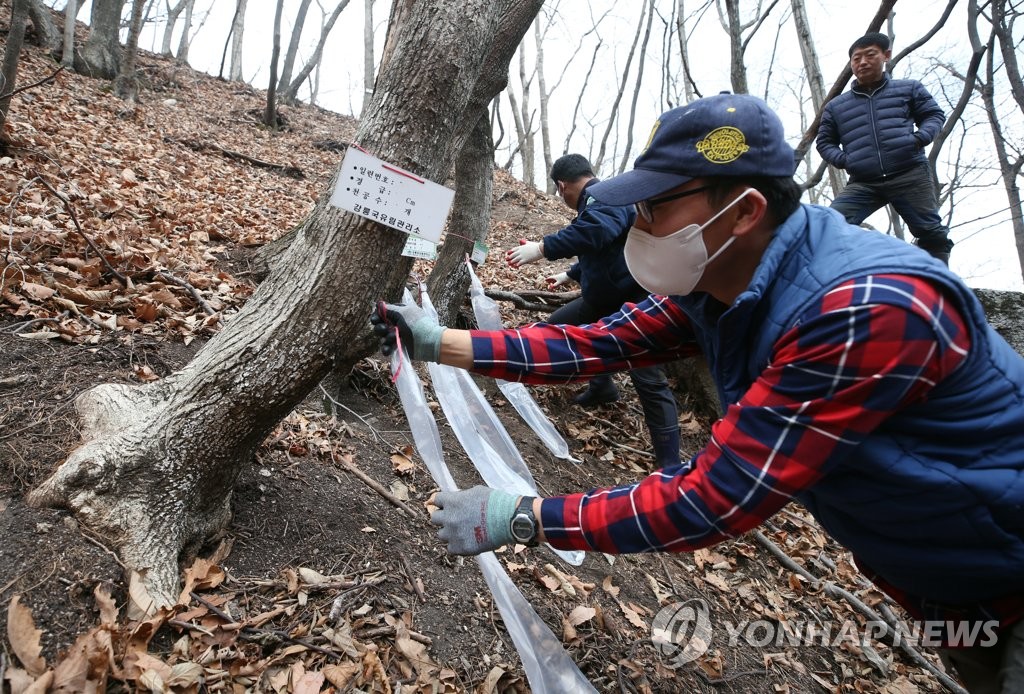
[287, 170]
[521, 298]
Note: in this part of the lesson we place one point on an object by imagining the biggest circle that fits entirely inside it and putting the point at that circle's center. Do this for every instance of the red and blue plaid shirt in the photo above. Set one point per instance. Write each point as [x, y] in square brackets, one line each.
[846, 365]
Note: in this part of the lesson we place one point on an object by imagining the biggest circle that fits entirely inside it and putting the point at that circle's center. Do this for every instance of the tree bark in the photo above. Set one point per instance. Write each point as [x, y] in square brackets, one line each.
[126, 85]
[636, 89]
[368, 60]
[1009, 169]
[47, 35]
[101, 54]
[184, 41]
[469, 222]
[158, 462]
[314, 61]
[235, 73]
[12, 55]
[293, 48]
[67, 58]
[542, 88]
[270, 113]
[172, 18]
[613, 113]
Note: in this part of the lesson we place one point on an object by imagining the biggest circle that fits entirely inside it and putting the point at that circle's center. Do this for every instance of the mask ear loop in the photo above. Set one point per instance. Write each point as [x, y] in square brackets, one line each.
[731, 238]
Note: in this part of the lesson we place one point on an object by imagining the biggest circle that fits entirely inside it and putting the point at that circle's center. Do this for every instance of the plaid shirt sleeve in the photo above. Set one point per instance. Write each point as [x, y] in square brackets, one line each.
[651, 332]
[870, 347]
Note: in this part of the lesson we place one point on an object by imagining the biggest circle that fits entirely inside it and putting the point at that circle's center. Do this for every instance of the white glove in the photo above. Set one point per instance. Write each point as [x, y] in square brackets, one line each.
[557, 280]
[527, 252]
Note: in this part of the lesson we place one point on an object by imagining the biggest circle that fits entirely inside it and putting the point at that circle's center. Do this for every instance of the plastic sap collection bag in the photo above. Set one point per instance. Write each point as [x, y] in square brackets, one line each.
[489, 318]
[549, 669]
[481, 434]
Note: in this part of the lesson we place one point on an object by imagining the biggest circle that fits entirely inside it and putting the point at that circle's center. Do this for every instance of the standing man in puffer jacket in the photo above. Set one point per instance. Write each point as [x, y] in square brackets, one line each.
[877, 131]
[596, 237]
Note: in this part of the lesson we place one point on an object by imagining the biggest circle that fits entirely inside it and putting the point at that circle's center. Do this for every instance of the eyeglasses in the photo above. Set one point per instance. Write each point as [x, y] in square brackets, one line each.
[645, 208]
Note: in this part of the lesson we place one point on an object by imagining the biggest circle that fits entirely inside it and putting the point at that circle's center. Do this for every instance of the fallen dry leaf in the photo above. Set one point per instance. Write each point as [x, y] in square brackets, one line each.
[24, 637]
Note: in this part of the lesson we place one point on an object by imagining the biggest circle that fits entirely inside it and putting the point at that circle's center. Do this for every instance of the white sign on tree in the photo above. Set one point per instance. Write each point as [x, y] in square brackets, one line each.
[392, 196]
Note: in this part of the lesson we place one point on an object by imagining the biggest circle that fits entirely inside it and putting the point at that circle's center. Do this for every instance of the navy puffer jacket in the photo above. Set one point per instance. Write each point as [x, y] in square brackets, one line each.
[597, 237]
[878, 133]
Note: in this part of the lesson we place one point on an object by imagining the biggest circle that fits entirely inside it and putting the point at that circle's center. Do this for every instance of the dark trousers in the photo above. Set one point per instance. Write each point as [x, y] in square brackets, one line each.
[656, 399]
[912, 193]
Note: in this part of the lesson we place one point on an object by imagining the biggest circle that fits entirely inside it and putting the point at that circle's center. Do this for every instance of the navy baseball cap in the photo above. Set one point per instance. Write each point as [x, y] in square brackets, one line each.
[722, 135]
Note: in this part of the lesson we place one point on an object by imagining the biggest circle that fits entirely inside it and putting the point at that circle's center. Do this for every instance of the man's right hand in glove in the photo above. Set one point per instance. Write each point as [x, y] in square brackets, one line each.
[526, 252]
[420, 334]
[557, 280]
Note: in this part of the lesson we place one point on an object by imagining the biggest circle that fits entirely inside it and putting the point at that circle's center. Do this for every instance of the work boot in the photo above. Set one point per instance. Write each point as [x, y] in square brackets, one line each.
[666, 447]
[600, 391]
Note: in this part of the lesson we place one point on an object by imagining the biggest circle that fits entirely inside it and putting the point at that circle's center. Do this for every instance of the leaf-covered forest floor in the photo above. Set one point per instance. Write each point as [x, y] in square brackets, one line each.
[126, 233]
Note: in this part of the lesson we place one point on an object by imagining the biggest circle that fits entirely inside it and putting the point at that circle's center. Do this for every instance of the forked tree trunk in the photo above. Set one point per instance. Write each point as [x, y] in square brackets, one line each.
[293, 48]
[101, 54]
[470, 221]
[291, 94]
[158, 462]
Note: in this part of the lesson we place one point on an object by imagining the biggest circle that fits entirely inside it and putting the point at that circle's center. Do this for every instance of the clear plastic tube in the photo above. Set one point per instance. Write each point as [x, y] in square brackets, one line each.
[548, 667]
[482, 434]
[488, 317]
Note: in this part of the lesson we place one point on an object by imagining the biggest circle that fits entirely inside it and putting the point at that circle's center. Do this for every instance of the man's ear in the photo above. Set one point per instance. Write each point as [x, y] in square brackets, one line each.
[751, 212]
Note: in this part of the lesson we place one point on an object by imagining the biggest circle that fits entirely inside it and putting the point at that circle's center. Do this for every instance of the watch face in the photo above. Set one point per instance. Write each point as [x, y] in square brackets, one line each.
[523, 528]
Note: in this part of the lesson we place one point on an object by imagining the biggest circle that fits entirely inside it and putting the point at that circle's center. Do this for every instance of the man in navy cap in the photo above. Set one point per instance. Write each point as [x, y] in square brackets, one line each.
[877, 131]
[856, 374]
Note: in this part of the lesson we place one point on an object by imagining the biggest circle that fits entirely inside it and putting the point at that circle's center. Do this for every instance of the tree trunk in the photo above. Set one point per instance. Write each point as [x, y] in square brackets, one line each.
[101, 54]
[12, 54]
[126, 86]
[527, 147]
[815, 80]
[613, 113]
[737, 70]
[368, 60]
[689, 88]
[470, 221]
[67, 58]
[314, 61]
[47, 35]
[542, 88]
[185, 40]
[235, 73]
[270, 113]
[1009, 170]
[636, 89]
[158, 462]
[293, 48]
[172, 18]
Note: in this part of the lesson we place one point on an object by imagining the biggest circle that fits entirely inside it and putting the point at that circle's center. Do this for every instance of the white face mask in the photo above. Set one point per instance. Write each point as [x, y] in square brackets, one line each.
[672, 264]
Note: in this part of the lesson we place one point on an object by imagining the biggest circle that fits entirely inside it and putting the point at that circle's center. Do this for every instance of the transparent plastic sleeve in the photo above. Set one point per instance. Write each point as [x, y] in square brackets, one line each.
[488, 317]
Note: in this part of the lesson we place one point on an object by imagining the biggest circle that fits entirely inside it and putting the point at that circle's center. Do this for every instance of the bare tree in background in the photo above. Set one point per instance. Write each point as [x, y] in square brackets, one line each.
[101, 54]
[522, 116]
[67, 58]
[185, 40]
[12, 55]
[812, 72]
[47, 35]
[158, 463]
[636, 90]
[270, 113]
[293, 47]
[735, 27]
[613, 112]
[292, 92]
[368, 58]
[172, 19]
[126, 84]
[237, 26]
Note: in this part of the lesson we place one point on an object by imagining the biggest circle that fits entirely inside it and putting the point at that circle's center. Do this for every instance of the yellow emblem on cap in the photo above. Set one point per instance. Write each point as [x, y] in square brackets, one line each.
[650, 138]
[723, 145]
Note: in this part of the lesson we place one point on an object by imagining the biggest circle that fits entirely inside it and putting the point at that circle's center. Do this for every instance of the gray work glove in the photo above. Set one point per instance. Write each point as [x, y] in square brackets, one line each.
[475, 520]
[421, 334]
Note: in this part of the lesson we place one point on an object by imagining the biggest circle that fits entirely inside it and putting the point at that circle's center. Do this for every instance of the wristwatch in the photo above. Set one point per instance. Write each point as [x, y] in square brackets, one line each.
[524, 524]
